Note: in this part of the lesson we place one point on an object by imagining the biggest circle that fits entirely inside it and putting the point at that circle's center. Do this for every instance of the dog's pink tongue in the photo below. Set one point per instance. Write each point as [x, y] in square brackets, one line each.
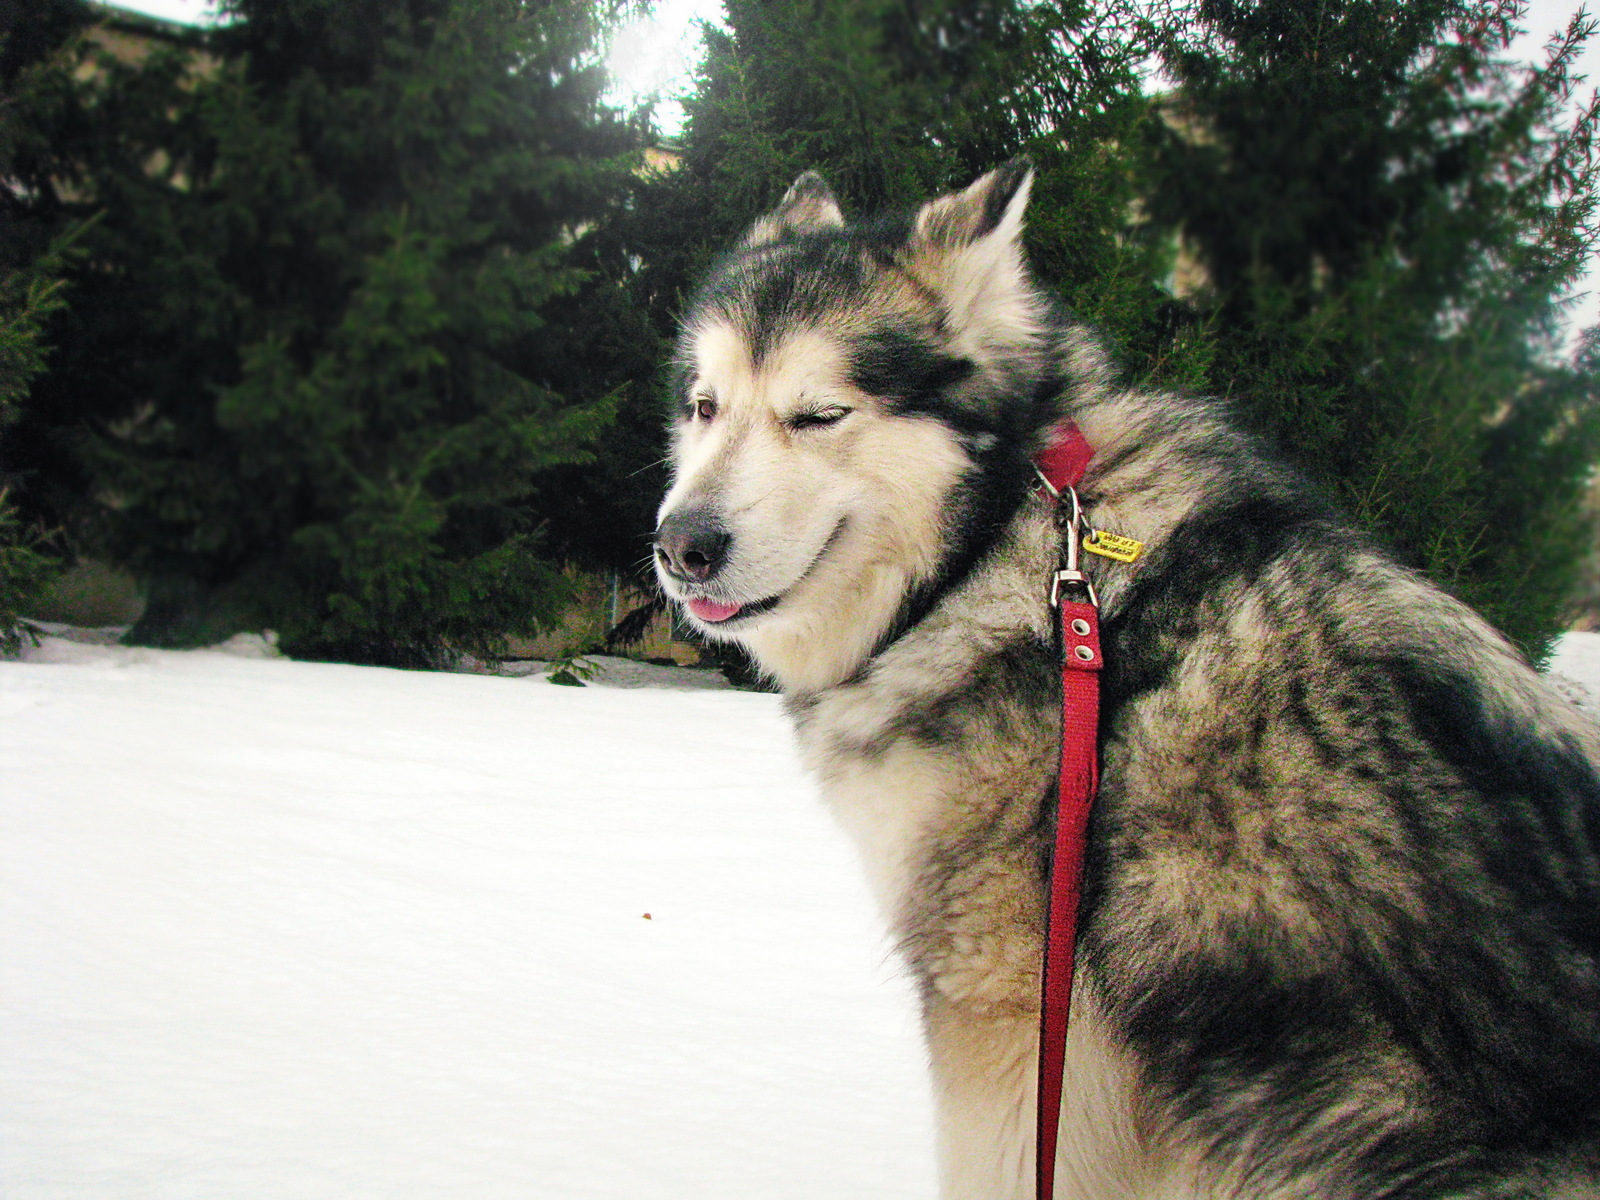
[710, 610]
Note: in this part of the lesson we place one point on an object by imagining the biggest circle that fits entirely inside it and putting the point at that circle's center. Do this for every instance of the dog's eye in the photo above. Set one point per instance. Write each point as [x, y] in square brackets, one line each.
[703, 407]
[821, 416]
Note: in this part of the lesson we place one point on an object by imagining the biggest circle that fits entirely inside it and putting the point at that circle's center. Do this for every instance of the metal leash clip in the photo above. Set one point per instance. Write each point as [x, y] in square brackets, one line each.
[1074, 525]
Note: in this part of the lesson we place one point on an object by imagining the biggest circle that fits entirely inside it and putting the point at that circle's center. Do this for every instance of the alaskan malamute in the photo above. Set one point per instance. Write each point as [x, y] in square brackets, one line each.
[1340, 928]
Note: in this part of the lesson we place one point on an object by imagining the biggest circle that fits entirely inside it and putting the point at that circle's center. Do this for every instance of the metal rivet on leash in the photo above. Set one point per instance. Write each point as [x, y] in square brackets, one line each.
[1080, 627]
[1083, 652]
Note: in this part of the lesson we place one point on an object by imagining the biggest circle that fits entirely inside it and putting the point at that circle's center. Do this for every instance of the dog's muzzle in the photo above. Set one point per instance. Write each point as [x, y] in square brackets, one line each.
[692, 545]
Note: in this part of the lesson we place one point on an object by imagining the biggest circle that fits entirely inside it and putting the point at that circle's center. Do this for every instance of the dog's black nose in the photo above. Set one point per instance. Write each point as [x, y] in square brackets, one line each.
[691, 545]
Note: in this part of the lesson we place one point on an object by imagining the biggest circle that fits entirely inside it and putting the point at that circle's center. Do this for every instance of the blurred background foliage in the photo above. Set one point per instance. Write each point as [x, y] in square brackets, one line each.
[346, 317]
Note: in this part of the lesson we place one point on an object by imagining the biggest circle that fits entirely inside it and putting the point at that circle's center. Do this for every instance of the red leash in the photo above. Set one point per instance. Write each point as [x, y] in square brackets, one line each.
[1061, 466]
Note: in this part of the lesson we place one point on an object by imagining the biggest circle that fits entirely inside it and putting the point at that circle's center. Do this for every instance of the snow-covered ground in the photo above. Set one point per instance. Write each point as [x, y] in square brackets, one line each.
[274, 930]
[1575, 670]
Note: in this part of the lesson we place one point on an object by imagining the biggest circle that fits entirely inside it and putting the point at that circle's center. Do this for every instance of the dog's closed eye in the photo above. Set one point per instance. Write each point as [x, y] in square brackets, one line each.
[816, 418]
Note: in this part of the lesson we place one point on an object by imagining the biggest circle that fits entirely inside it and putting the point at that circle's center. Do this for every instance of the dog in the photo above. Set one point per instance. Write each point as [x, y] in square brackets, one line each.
[1340, 921]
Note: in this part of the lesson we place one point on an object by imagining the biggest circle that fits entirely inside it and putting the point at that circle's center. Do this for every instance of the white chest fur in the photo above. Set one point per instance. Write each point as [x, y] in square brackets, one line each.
[886, 802]
[897, 798]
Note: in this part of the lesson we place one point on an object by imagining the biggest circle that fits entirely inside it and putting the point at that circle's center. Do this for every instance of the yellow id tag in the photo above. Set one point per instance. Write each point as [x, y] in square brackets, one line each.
[1112, 545]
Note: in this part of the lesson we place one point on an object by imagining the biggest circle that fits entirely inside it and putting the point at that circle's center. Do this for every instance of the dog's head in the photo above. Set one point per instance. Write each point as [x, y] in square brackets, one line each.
[856, 410]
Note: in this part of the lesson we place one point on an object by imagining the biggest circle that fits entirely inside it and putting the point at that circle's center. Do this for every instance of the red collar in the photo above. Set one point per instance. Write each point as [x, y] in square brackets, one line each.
[1066, 458]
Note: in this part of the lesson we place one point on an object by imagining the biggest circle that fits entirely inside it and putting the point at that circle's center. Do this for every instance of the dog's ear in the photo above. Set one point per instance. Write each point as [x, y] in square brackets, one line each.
[968, 246]
[990, 209]
[807, 207]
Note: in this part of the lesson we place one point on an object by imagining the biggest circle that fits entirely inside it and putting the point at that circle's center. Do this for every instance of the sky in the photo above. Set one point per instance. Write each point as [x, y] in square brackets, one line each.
[657, 55]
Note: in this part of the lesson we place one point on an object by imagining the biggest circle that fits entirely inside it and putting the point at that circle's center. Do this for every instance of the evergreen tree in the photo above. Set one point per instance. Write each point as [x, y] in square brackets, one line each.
[30, 266]
[897, 100]
[318, 360]
[1389, 213]
[27, 298]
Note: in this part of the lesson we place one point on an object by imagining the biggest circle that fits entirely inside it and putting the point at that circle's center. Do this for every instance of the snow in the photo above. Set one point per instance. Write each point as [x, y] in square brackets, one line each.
[1575, 670]
[280, 929]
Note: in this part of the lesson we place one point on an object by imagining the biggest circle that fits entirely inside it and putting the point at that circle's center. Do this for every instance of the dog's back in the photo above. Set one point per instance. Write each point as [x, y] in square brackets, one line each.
[1366, 837]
